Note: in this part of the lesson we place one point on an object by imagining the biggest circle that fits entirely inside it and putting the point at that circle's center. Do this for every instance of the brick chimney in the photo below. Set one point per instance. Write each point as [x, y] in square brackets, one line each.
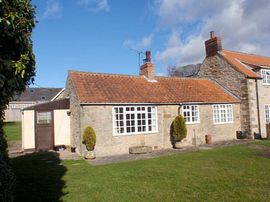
[212, 45]
[147, 68]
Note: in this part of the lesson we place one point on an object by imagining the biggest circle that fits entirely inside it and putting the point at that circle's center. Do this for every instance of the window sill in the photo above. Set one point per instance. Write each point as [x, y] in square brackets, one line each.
[224, 123]
[132, 134]
[192, 123]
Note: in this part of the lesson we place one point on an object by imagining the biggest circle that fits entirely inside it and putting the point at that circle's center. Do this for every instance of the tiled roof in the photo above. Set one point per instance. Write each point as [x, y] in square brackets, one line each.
[237, 59]
[109, 88]
[37, 94]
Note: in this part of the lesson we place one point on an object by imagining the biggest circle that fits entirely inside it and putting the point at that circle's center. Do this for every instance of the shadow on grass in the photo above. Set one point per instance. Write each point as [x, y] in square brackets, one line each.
[39, 177]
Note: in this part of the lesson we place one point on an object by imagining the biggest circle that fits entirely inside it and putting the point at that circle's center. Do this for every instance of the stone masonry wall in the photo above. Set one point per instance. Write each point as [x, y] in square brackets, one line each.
[219, 70]
[75, 109]
[100, 118]
[252, 102]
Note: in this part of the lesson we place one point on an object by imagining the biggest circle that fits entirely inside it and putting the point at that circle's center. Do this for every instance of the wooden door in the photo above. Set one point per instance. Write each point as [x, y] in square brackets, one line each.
[44, 130]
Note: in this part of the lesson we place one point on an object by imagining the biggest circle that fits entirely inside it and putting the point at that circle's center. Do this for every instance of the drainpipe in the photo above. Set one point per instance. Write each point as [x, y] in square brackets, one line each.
[179, 108]
[258, 105]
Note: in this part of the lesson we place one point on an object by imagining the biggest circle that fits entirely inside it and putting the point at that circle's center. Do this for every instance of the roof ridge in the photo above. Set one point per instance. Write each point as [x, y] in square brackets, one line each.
[238, 52]
[183, 78]
[138, 76]
[105, 74]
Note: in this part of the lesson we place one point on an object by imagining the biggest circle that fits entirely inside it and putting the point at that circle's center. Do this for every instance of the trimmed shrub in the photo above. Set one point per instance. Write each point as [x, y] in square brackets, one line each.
[179, 129]
[89, 138]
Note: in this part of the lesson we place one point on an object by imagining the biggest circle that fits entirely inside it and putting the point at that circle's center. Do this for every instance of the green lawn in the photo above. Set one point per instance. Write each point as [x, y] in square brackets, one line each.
[262, 142]
[13, 131]
[234, 173]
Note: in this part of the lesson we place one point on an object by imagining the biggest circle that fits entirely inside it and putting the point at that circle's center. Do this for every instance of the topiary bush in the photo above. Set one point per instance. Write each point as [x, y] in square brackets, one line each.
[89, 138]
[179, 129]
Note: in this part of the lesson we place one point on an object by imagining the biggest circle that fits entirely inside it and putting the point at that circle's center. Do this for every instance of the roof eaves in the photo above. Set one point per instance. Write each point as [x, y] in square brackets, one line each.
[157, 103]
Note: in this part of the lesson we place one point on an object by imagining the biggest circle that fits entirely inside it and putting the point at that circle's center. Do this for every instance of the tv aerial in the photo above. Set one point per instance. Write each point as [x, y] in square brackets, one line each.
[139, 55]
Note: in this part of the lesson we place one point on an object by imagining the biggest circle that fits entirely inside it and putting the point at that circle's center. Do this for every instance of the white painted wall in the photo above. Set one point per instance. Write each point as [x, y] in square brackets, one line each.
[61, 127]
[28, 129]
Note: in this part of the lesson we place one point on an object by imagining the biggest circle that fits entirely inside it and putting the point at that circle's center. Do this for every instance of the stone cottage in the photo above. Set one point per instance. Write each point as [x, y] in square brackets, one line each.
[246, 76]
[127, 110]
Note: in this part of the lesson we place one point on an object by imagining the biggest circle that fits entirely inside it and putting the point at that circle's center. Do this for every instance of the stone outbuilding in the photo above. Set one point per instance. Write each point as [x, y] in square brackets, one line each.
[127, 111]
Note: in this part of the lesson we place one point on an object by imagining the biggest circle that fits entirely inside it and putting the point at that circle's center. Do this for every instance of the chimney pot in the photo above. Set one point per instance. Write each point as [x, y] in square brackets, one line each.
[212, 45]
[147, 69]
[147, 56]
[212, 34]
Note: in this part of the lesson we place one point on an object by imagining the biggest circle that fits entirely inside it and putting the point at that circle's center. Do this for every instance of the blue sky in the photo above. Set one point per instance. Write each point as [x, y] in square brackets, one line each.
[98, 35]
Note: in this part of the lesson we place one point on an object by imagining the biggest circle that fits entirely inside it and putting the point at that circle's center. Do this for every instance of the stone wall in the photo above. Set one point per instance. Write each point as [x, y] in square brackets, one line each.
[219, 70]
[75, 109]
[100, 118]
[252, 102]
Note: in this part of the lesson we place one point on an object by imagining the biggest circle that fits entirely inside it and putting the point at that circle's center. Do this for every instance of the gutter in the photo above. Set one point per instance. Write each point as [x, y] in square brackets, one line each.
[157, 103]
[258, 106]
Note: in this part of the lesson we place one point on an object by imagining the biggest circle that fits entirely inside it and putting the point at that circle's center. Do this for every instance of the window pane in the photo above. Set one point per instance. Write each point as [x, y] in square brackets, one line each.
[134, 119]
[190, 113]
[44, 117]
[222, 113]
[267, 113]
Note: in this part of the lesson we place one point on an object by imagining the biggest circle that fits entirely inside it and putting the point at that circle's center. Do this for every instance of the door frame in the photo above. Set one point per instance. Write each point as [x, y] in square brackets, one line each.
[52, 128]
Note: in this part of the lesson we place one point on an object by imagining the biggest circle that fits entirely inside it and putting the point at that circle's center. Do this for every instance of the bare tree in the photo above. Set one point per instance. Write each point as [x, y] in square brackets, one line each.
[184, 71]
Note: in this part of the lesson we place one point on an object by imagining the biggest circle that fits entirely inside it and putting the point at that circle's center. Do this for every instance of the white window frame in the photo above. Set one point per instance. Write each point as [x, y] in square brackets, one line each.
[135, 112]
[189, 109]
[222, 109]
[44, 117]
[265, 74]
[267, 113]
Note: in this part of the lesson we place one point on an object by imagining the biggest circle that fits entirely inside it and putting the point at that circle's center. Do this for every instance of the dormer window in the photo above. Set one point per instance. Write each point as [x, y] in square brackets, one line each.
[265, 73]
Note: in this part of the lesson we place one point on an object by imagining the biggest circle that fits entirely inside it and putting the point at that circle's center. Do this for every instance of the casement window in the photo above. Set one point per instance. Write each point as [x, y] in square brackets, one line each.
[134, 119]
[222, 113]
[191, 113]
[267, 113]
[265, 73]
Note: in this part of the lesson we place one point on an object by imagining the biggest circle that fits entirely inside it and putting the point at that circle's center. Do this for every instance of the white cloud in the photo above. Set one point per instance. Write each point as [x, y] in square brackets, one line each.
[144, 43]
[53, 9]
[95, 5]
[242, 24]
[178, 53]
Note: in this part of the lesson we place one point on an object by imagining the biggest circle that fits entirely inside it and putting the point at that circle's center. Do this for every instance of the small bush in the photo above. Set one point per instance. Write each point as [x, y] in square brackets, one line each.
[179, 129]
[89, 138]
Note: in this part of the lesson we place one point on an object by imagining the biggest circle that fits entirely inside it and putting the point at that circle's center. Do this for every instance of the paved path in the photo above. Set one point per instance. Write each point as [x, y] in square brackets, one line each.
[163, 152]
[14, 151]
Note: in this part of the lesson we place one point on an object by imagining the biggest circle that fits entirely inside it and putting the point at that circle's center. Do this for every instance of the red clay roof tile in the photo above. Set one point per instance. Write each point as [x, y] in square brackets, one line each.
[109, 88]
[236, 59]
